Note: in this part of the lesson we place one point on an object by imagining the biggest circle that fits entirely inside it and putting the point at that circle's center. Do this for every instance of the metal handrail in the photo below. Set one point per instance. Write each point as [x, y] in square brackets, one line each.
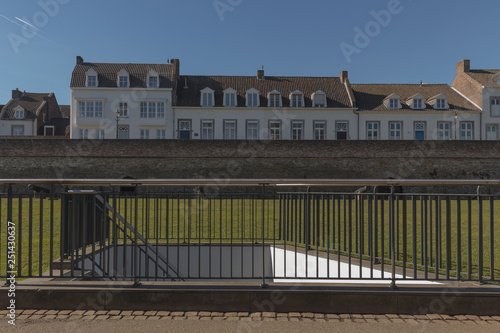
[256, 182]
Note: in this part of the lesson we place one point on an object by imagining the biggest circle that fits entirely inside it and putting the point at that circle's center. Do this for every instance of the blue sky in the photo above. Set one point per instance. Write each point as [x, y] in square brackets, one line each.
[412, 40]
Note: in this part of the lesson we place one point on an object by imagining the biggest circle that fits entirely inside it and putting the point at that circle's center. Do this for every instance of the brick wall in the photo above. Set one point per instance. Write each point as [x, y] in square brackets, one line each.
[32, 158]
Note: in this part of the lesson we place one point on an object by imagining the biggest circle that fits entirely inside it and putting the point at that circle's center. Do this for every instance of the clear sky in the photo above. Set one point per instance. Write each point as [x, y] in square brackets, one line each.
[402, 41]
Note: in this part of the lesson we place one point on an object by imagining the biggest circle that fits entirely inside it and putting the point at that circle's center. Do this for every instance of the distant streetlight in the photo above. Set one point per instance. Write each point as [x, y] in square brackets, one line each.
[455, 125]
[117, 120]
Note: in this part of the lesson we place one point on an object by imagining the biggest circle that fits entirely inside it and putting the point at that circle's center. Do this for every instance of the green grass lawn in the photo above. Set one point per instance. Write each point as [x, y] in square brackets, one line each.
[329, 223]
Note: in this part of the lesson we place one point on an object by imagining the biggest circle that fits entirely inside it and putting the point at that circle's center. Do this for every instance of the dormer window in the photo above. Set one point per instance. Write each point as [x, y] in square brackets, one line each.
[392, 102]
[253, 99]
[19, 113]
[230, 97]
[319, 99]
[92, 81]
[274, 99]
[296, 99]
[207, 98]
[123, 79]
[153, 79]
[416, 102]
[440, 102]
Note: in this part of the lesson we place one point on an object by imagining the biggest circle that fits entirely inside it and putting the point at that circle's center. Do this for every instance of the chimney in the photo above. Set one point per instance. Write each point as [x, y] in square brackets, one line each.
[79, 60]
[343, 76]
[17, 94]
[260, 74]
[463, 66]
[177, 66]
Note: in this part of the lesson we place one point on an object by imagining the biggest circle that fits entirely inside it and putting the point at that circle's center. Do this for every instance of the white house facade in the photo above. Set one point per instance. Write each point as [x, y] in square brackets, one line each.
[153, 101]
[125, 101]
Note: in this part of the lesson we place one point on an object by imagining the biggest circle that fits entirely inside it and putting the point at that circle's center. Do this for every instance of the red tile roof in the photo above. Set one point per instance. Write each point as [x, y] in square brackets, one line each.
[30, 102]
[487, 77]
[336, 92]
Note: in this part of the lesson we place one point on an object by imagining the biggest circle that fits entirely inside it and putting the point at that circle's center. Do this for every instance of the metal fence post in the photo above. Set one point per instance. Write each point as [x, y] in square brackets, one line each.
[480, 234]
[264, 284]
[9, 219]
[392, 239]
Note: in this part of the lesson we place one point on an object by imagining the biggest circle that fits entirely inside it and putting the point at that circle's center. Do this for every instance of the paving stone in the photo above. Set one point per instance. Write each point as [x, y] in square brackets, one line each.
[356, 316]
[358, 321]
[101, 317]
[196, 318]
[411, 321]
[52, 312]
[243, 314]
[129, 317]
[434, 316]
[256, 315]
[319, 316]
[127, 313]
[383, 320]
[371, 321]
[447, 317]
[163, 313]
[177, 314]
[293, 319]
[268, 314]
[294, 315]
[397, 321]
[368, 316]
[256, 318]
[153, 318]
[35, 317]
[472, 317]
[62, 317]
[283, 319]
[306, 319]
[231, 314]
[78, 313]
[245, 319]
[346, 316]
[268, 319]
[191, 314]
[307, 315]
[88, 317]
[89, 313]
[281, 315]
[232, 318]
[421, 317]
[392, 316]
[485, 318]
[22, 317]
[204, 314]
[140, 317]
[217, 314]
[114, 313]
[218, 318]
[150, 313]
[115, 317]
[49, 317]
[179, 318]
[101, 312]
[496, 317]
[29, 312]
[39, 312]
[405, 316]
[65, 312]
[137, 313]
[332, 316]
[461, 317]
[4, 312]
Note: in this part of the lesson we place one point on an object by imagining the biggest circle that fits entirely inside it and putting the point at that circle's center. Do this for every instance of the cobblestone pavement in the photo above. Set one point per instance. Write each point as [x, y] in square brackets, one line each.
[86, 315]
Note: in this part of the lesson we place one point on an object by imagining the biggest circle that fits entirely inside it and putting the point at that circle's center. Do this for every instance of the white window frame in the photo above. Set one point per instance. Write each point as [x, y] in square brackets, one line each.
[152, 109]
[342, 122]
[274, 97]
[123, 109]
[318, 132]
[297, 129]
[207, 129]
[19, 112]
[373, 130]
[441, 132]
[99, 134]
[248, 129]
[418, 104]
[395, 130]
[393, 103]
[315, 96]
[496, 131]
[179, 129]
[495, 107]
[274, 131]
[297, 99]
[123, 81]
[51, 127]
[234, 129]
[441, 103]
[15, 128]
[252, 96]
[161, 134]
[465, 131]
[230, 98]
[90, 109]
[83, 133]
[144, 134]
[151, 75]
[207, 98]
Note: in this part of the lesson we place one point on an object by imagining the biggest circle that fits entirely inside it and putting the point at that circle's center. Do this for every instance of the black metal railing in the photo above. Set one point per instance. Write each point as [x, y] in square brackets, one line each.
[256, 230]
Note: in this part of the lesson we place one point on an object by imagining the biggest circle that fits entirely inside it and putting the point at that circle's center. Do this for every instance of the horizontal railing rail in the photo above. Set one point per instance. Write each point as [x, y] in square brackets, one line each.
[108, 233]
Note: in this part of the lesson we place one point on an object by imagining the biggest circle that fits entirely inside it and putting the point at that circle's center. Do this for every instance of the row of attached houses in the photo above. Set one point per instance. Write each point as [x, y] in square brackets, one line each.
[33, 114]
[153, 101]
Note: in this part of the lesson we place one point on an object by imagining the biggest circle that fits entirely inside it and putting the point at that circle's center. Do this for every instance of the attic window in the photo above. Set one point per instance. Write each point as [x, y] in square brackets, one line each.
[19, 113]
[123, 81]
[274, 99]
[253, 98]
[207, 97]
[153, 79]
[319, 99]
[296, 99]
[393, 103]
[418, 103]
[230, 97]
[441, 103]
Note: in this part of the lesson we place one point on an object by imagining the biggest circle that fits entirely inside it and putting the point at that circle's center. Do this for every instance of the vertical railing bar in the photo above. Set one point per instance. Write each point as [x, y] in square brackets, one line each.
[392, 238]
[40, 252]
[370, 233]
[459, 238]
[437, 238]
[492, 239]
[20, 239]
[414, 235]
[469, 238]
[350, 237]
[480, 234]
[405, 237]
[51, 254]
[136, 221]
[10, 198]
[448, 237]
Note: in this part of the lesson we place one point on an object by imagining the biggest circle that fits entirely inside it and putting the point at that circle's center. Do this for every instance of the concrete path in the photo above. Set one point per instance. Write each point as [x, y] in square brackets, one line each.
[165, 321]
